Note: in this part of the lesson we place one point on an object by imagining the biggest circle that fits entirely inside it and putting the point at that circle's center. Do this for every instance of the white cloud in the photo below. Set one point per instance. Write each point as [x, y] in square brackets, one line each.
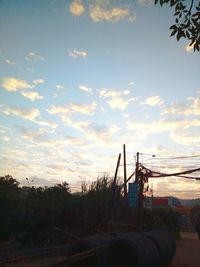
[186, 138]
[28, 114]
[146, 2]
[10, 62]
[33, 57]
[101, 11]
[31, 114]
[126, 115]
[116, 99]
[98, 14]
[73, 108]
[4, 129]
[130, 83]
[46, 123]
[143, 129]
[85, 89]
[77, 53]
[12, 84]
[77, 8]
[91, 130]
[102, 132]
[190, 108]
[38, 81]
[32, 95]
[60, 87]
[153, 101]
[5, 138]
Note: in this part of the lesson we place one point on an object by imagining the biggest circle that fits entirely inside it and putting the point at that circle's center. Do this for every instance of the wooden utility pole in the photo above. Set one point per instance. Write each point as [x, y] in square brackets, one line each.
[140, 181]
[137, 166]
[125, 177]
[111, 211]
[115, 179]
[116, 170]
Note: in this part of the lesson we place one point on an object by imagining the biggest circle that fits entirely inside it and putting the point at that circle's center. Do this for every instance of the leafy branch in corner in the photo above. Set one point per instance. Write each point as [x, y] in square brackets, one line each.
[187, 20]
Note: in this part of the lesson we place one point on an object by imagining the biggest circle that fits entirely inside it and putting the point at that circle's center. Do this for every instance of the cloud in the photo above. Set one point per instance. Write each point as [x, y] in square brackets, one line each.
[116, 99]
[33, 57]
[186, 138]
[146, 2]
[130, 83]
[46, 123]
[32, 95]
[73, 108]
[36, 181]
[100, 11]
[4, 129]
[85, 89]
[57, 167]
[5, 138]
[92, 131]
[38, 137]
[30, 114]
[38, 81]
[77, 53]
[190, 108]
[143, 129]
[10, 62]
[153, 101]
[60, 87]
[77, 8]
[12, 84]
[104, 133]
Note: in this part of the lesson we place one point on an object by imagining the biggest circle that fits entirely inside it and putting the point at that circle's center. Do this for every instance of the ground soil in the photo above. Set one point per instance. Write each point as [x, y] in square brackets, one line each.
[188, 251]
[187, 254]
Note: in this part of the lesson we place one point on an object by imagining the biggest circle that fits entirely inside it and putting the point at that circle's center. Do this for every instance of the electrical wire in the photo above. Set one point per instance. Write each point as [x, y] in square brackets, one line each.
[178, 157]
[159, 174]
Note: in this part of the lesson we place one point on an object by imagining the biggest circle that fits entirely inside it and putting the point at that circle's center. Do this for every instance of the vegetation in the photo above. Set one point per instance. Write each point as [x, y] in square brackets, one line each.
[34, 215]
[165, 219]
[187, 20]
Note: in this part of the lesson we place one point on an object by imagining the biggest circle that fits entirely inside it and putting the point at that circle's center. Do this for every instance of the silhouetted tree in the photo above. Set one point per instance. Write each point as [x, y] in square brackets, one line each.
[9, 202]
[187, 20]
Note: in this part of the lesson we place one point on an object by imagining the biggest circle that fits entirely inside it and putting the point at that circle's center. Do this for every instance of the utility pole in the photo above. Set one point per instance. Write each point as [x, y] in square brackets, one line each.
[116, 170]
[137, 167]
[111, 211]
[140, 181]
[115, 179]
[125, 177]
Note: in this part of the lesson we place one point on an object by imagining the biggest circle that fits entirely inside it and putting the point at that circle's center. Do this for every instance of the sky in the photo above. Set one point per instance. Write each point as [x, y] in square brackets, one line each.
[80, 78]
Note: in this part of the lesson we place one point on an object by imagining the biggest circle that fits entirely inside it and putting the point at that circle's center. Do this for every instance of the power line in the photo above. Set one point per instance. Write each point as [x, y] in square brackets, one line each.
[159, 174]
[178, 157]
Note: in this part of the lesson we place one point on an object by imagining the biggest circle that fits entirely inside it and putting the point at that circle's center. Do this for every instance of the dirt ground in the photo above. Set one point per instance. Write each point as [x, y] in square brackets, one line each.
[188, 251]
[187, 254]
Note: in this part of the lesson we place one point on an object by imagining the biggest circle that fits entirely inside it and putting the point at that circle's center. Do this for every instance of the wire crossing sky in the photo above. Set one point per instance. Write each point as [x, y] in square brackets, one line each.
[78, 79]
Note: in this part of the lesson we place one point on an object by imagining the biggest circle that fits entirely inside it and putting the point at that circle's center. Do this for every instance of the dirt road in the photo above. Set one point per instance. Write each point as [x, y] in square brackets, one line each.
[187, 254]
[188, 251]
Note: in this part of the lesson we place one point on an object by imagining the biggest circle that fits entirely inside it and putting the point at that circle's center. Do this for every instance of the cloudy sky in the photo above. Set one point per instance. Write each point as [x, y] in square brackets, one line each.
[78, 79]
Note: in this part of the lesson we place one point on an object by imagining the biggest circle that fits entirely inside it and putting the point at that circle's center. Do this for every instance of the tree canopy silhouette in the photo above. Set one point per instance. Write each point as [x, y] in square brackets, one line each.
[187, 20]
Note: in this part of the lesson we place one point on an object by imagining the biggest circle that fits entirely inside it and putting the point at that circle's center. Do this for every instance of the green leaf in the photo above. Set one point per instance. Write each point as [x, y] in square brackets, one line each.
[188, 34]
[173, 32]
[180, 34]
[173, 27]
